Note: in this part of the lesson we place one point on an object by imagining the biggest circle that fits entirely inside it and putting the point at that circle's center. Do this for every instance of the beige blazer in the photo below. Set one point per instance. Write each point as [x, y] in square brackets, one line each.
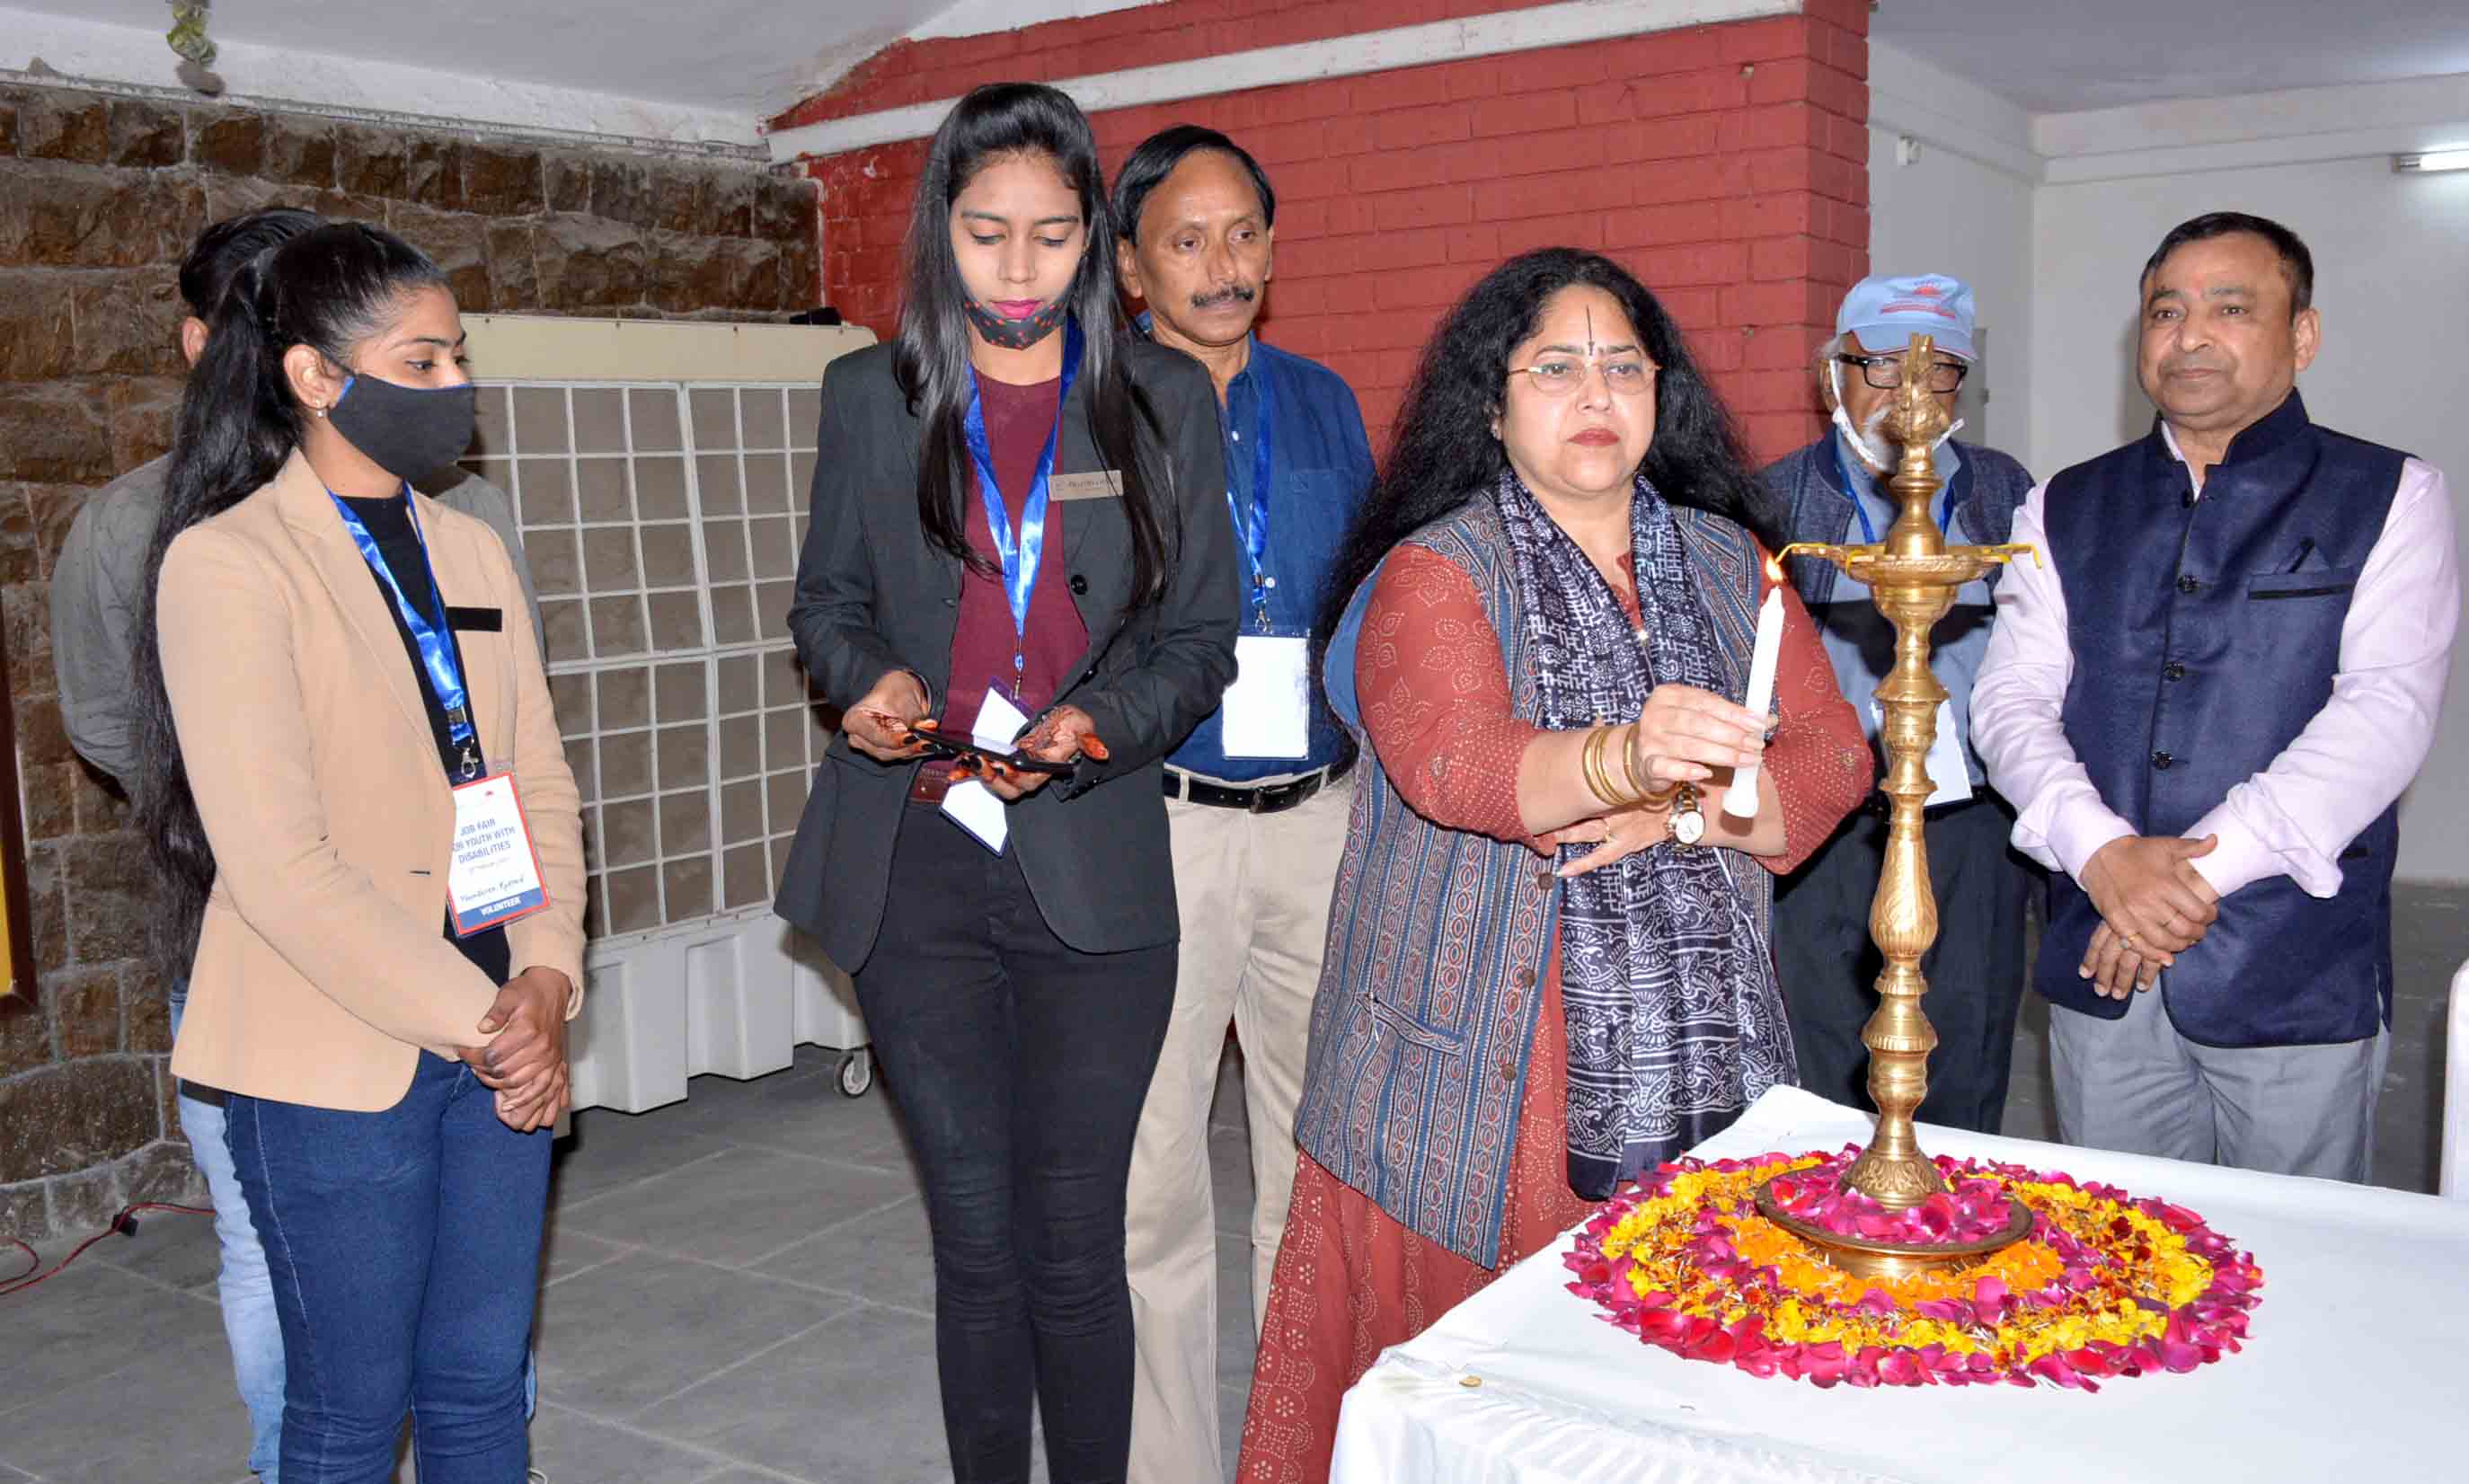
[322, 968]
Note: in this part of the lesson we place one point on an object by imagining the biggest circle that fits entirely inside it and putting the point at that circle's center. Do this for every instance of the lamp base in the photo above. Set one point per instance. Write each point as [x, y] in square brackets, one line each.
[1865, 1257]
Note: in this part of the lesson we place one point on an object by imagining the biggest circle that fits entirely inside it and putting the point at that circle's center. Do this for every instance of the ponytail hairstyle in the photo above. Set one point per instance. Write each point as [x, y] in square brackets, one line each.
[930, 360]
[328, 288]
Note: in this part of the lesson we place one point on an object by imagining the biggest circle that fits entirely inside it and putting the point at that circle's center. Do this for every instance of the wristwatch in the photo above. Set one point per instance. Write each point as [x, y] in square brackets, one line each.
[1687, 824]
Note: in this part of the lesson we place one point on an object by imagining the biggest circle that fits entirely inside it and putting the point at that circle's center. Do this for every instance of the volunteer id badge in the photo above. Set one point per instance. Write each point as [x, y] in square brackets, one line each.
[495, 874]
[1266, 713]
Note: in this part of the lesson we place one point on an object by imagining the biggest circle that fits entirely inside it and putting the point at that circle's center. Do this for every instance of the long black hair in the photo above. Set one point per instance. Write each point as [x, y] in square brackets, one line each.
[1443, 454]
[997, 120]
[224, 248]
[328, 288]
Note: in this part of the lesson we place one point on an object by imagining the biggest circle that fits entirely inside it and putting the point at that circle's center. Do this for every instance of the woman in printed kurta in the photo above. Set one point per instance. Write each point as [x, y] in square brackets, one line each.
[1549, 966]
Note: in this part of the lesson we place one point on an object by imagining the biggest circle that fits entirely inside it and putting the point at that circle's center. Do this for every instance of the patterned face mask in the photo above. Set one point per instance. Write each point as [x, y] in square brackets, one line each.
[1017, 334]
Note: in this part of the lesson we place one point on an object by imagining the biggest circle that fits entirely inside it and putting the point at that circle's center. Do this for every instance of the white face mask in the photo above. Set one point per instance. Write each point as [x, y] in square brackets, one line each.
[1876, 461]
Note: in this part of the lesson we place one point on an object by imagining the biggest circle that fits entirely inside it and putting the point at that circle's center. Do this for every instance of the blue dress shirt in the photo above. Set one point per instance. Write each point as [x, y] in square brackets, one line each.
[1320, 471]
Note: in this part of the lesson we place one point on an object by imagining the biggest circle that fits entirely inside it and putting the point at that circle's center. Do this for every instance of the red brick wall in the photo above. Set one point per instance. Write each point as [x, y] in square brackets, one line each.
[1725, 165]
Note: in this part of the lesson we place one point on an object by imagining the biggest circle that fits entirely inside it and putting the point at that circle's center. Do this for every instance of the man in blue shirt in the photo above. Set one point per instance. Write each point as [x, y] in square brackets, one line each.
[1257, 801]
[1835, 491]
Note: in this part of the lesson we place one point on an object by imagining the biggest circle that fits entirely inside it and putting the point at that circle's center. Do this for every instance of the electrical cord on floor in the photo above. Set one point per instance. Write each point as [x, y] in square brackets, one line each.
[125, 1223]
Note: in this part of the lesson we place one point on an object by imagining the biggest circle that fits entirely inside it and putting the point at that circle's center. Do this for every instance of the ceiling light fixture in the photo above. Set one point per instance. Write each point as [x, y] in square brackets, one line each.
[2430, 161]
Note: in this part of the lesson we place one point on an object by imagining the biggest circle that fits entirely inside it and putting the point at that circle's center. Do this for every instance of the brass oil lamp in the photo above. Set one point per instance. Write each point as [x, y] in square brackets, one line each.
[1912, 575]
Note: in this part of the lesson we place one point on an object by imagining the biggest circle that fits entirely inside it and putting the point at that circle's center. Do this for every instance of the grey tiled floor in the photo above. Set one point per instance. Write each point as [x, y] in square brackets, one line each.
[737, 1287]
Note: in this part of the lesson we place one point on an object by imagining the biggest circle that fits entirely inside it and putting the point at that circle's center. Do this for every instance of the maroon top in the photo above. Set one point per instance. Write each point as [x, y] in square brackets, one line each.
[1018, 418]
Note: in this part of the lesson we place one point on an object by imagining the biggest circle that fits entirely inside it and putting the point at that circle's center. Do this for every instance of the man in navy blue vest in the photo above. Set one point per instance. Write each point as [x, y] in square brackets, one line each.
[1256, 797]
[2206, 705]
[1833, 490]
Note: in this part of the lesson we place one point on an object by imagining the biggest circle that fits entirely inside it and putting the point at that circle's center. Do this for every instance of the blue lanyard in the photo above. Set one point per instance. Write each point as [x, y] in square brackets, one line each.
[1019, 557]
[1869, 532]
[438, 660]
[1254, 532]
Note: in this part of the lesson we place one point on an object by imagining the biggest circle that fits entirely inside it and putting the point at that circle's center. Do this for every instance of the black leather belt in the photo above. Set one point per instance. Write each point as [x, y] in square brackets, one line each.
[1267, 799]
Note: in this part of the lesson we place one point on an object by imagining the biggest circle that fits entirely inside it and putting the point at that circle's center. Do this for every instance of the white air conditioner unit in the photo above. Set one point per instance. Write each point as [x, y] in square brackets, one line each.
[659, 472]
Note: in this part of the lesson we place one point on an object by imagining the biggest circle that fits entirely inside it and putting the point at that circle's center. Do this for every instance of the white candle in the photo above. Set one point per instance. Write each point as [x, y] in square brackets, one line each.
[1741, 800]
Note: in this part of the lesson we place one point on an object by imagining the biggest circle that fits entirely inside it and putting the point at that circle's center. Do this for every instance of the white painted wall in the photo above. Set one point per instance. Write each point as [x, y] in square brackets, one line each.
[709, 71]
[276, 75]
[976, 17]
[1951, 181]
[2050, 217]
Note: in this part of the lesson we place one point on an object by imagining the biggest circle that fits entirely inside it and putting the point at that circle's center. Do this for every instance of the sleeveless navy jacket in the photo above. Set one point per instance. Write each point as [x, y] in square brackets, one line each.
[2206, 633]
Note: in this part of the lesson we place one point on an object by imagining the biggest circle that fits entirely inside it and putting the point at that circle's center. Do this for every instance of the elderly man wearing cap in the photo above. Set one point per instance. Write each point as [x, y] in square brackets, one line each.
[1833, 491]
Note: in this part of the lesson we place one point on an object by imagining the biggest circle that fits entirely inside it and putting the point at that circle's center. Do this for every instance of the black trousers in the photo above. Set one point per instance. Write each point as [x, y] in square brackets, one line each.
[1020, 1066]
[1829, 967]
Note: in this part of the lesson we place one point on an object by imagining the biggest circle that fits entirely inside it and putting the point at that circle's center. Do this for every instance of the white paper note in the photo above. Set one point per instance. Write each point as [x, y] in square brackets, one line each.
[1266, 713]
[972, 804]
[1946, 768]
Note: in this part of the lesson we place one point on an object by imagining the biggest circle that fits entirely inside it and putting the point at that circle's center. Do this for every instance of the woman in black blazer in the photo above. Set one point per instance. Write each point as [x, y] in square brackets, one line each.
[1016, 972]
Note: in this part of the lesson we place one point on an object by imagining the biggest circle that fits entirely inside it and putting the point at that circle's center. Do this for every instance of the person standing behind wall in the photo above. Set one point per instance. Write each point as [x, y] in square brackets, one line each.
[2205, 701]
[1256, 797]
[97, 592]
[1833, 490]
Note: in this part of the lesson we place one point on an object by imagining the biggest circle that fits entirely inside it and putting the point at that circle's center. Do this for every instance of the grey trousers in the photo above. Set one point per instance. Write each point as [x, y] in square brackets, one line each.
[2137, 1085]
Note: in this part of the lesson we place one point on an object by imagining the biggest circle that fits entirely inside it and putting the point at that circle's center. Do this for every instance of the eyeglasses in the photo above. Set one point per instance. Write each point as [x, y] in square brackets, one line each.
[1886, 373]
[1562, 374]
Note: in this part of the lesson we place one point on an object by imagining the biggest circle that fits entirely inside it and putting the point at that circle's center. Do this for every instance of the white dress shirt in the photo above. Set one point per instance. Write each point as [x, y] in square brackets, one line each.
[2345, 767]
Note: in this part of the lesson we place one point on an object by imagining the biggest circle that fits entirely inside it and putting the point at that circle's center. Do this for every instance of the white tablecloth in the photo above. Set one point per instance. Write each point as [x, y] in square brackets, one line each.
[2354, 1366]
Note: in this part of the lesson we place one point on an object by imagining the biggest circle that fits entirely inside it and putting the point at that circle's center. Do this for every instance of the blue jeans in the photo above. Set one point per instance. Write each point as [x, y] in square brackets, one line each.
[247, 1293]
[240, 1282]
[404, 1250]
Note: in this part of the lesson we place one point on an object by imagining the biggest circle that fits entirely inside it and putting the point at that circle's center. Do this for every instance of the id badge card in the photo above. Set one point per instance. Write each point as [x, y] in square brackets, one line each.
[1266, 713]
[972, 804]
[1950, 776]
[496, 873]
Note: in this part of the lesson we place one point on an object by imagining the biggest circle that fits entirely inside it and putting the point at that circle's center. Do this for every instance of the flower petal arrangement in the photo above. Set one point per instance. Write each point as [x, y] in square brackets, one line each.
[2105, 1286]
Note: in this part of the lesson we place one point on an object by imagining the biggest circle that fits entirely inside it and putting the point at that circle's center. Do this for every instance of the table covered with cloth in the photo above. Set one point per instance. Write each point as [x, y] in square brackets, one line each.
[2356, 1364]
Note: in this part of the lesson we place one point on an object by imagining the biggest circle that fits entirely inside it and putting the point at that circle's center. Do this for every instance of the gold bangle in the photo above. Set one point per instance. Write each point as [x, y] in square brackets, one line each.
[1649, 796]
[1590, 757]
[1599, 774]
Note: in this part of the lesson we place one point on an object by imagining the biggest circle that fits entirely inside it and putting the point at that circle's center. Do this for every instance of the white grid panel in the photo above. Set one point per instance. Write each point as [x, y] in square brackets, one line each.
[661, 522]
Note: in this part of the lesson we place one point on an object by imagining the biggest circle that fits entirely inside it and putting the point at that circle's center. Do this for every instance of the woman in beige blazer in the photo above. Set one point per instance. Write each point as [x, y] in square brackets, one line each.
[332, 665]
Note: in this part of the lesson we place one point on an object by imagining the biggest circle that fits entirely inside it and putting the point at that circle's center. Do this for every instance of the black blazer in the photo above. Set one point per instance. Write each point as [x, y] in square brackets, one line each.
[873, 596]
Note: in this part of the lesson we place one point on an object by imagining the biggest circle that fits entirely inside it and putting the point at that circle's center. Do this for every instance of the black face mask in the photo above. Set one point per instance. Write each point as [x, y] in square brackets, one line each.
[407, 431]
[1017, 334]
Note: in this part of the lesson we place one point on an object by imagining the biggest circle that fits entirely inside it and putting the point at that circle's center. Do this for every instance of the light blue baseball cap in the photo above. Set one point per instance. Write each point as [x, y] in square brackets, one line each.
[1886, 312]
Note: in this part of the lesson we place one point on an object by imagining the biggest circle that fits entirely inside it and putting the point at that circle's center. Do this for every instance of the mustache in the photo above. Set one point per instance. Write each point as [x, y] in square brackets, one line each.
[2178, 364]
[1232, 293]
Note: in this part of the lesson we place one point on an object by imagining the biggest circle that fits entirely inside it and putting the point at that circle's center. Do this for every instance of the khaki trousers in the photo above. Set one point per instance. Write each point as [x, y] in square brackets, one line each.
[1253, 891]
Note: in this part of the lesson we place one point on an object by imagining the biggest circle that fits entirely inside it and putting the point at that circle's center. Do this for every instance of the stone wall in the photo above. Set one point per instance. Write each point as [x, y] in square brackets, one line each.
[100, 197]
